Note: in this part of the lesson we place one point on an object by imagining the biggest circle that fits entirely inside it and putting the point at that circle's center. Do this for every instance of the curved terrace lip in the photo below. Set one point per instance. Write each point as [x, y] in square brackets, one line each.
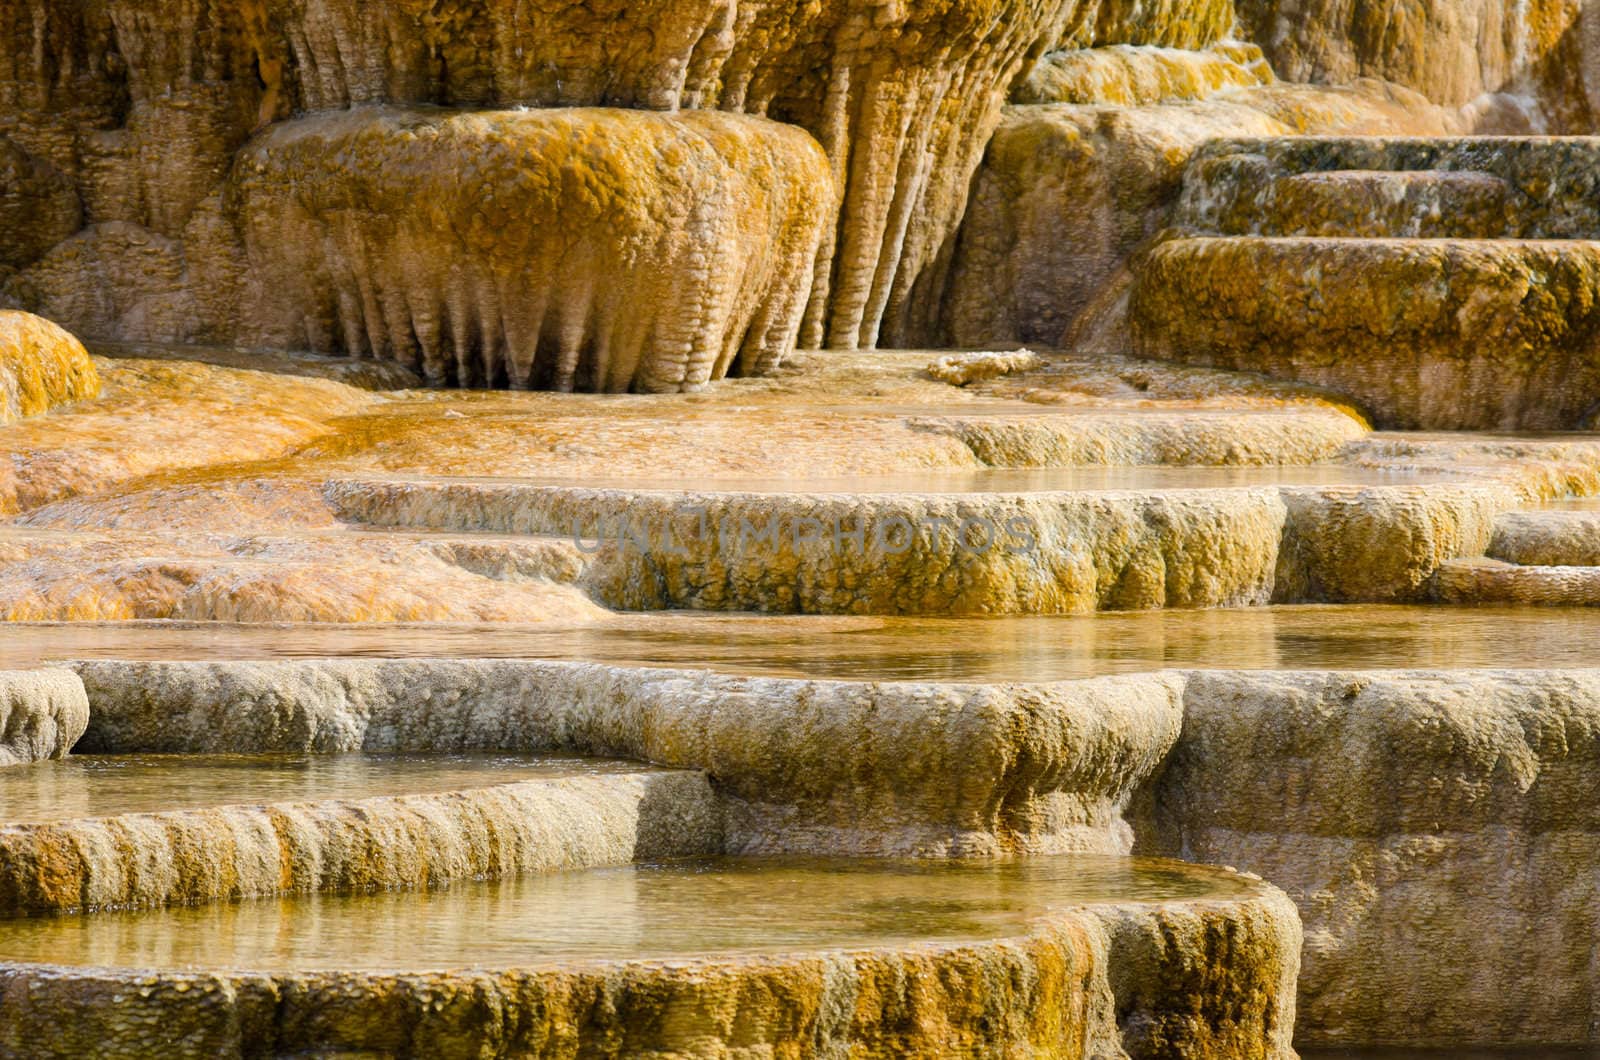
[1225, 887]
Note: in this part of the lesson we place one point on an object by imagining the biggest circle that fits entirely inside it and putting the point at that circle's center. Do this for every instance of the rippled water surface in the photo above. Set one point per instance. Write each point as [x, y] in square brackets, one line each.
[998, 649]
[706, 906]
[102, 785]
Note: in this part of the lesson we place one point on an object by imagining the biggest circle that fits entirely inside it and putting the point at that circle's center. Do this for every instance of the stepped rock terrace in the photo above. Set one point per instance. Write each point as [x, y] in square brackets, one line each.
[472, 586]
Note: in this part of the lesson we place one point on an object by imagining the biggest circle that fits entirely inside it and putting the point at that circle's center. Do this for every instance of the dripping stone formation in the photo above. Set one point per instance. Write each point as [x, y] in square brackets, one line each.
[857, 528]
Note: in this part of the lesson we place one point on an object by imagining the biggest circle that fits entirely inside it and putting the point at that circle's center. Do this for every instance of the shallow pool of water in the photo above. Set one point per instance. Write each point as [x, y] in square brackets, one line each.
[104, 785]
[1031, 648]
[705, 906]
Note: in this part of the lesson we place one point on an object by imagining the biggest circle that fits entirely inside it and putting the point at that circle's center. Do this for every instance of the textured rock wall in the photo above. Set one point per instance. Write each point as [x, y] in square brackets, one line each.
[805, 765]
[1095, 550]
[1247, 187]
[142, 109]
[1453, 51]
[1437, 831]
[563, 249]
[1429, 334]
[351, 845]
[42, 714]
[1068, 195]
[41, 366]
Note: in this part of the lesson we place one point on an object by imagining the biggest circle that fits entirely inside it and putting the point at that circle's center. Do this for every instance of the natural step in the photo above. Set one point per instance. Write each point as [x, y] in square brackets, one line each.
[1434, 334]
[1055, 957]
[1548, 538]
[138, 831]
[1393, 204]
[1248, 186]
[1024, 551]
[1491, 581]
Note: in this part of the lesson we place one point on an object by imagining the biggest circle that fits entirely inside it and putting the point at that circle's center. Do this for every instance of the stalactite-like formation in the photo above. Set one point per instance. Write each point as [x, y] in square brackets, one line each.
[570, 248]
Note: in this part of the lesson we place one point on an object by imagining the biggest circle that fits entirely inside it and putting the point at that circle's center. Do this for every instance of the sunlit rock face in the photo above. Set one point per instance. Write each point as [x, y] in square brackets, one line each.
[1065, 195]
[1437, 831]
[42, 714]
[1073, 187]
[559, 249]
[1444, 283]
[1453, 334]
[143, 110]
[1128, 75]
[41, 366]
[1531, 55]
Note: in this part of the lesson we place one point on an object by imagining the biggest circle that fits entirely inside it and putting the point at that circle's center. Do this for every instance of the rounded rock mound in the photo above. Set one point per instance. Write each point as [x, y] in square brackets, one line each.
[41, 366]
[565, 249]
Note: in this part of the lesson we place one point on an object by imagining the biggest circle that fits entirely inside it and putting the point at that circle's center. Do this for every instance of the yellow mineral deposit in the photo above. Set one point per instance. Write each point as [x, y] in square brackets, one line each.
[729, 528]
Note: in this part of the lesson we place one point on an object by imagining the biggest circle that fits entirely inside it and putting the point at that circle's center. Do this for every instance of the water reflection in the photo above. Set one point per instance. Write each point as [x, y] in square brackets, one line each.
[103, 785]
[1032, 648]
[702, 906]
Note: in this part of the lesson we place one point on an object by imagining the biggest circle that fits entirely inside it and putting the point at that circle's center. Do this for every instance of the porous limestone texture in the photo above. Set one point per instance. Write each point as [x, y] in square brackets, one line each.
[1437, 831]
[1257, 186]
[1380, 544]
[38, 206]
[566, 249]
[1436, 334]
[811, 766]
[1204, 978]
[890, 553]
[1130, 76]
[1531, 54]
[76, 576]
[227, 852]
[1549, 538]
[1065, 195]
[41, 366]
[962, 554]
[144, 109]
[1069, 193]
[1490, 581]
[963, 369]
[42, 714]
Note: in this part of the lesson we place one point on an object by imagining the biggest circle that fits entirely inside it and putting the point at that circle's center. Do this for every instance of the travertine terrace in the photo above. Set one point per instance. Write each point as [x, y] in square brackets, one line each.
[721, 528]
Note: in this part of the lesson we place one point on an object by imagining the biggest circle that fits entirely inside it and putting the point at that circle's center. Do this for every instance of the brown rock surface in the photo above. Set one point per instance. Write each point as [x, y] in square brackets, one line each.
[1436, 830]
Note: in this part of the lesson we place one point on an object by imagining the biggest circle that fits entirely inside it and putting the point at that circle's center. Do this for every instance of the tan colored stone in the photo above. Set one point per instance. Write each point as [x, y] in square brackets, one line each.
[1437, 334]
[1130, 76]
[227, 852]
[41, 367]
[963, 369]
[1142, 980]
[144, 108]
[1489, 581]
[1436, 830]
[42, 714]
[816, 766]
[1548, 538]
[1453, 51]
[559, 249]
